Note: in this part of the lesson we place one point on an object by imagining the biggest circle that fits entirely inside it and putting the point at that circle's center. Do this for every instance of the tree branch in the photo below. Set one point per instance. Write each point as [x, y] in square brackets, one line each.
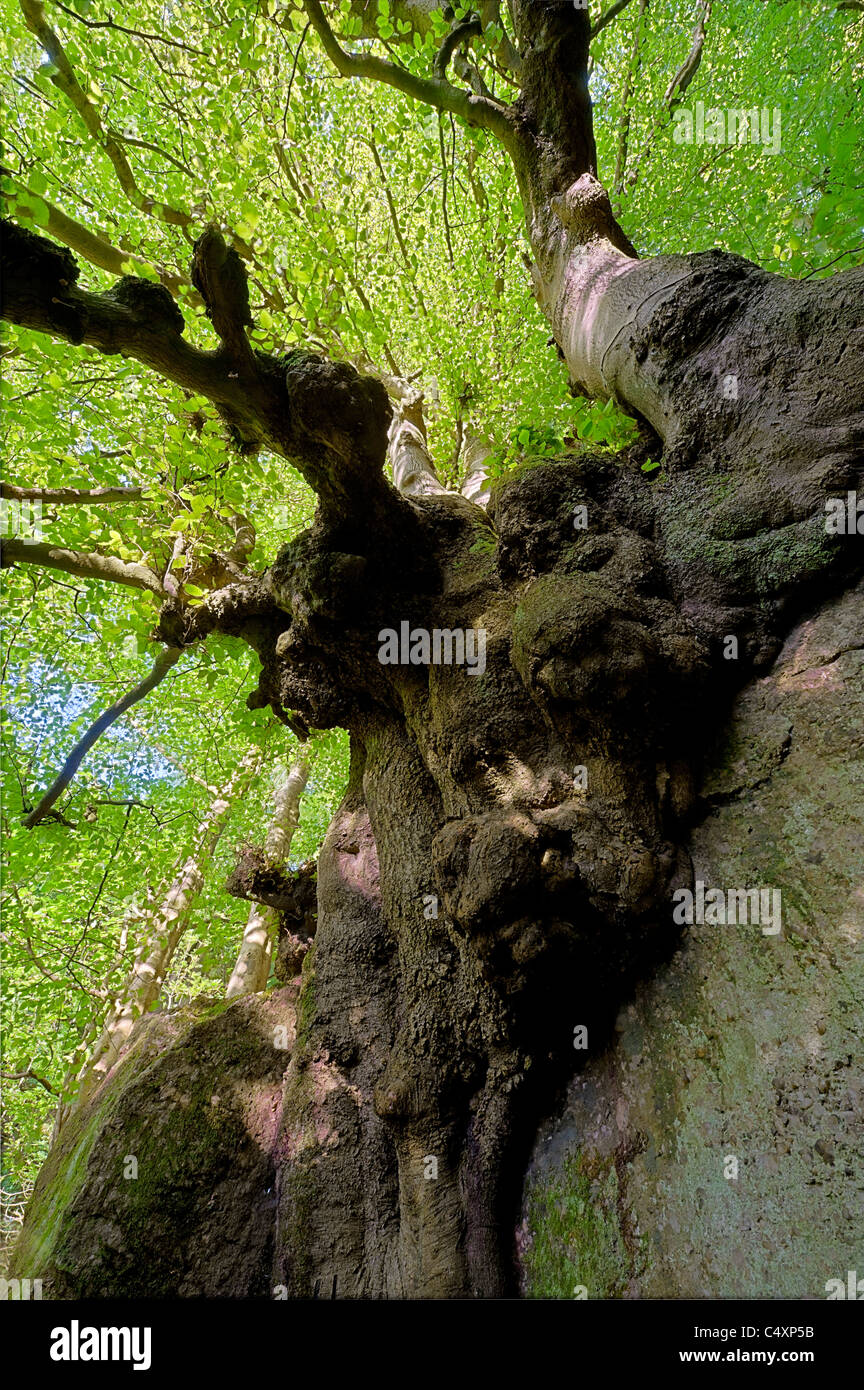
[414, 472]
[72, 496]
[65, 81]
[96, 249]
[476, 486]
[111, 141]
[84, 564]
[676, 88]
[394, 218]
[61, 979]
[245, 538]
[217, 272]
[478, 111]
[156, 149]
[506, 51]
[688, 69]
[612, 13]
[626, 113]
[167, 658]
[460, 31]
[329, 421]
[28, 1075]
[135, 317]
[135, 33]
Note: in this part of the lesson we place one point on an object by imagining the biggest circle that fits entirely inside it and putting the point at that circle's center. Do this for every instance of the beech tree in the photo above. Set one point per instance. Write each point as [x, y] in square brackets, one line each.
[501, 866]
[166, 923]
[252, 970]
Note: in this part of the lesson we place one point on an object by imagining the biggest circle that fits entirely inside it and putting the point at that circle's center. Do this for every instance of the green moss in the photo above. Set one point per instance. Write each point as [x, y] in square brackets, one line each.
[170, 1105]
[306, 1002]
[300, 1202]
[60, 1179]
[770, 559]
[723, 485]
[576, 1235]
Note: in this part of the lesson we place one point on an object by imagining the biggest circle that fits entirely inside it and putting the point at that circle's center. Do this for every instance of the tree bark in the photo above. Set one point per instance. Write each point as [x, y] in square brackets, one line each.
[552, 891]
[502, 866]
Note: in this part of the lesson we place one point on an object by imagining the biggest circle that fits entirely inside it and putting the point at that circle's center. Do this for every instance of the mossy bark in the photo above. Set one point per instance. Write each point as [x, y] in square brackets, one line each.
[501, 868]
[162, 1183]
[746, 1047]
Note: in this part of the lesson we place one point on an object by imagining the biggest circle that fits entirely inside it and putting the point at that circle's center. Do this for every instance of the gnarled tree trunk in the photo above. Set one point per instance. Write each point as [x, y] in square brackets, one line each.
[501, 868]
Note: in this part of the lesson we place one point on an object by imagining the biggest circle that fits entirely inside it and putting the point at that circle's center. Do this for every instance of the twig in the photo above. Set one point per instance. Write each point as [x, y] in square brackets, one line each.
[135, 33]
[28, 1075]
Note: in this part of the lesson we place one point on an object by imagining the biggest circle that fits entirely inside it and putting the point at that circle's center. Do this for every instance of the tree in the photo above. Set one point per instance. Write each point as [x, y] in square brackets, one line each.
[165, 924]
[252, 970]
[527, 684]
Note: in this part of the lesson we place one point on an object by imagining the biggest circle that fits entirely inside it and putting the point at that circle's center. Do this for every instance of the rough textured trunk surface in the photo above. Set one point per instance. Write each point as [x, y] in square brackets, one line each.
[161, 1184]
[746, 1047]
[501, 870]
[428, 1047]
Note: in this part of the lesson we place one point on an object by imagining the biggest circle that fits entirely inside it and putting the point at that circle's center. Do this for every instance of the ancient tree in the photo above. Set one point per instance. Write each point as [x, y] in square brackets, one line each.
[502, 865]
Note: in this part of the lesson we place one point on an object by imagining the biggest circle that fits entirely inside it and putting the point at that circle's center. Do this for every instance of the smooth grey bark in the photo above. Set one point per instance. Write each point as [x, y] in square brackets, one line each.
[476, 486]
[252, 969]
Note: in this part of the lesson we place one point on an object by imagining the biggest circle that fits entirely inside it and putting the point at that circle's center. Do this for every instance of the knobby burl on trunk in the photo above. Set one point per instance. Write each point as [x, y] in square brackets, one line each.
[444, 1036]
[477, 897]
